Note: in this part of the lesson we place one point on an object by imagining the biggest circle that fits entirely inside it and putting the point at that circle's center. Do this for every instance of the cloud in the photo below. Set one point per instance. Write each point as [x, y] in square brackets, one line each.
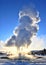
[1, 44]
[38, 43]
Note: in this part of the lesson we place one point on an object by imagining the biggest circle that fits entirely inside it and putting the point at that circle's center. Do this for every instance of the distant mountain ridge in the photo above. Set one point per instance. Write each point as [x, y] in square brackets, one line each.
[39, 52]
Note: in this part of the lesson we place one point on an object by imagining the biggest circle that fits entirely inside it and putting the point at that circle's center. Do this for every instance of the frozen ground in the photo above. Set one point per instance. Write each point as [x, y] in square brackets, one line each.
[41, 61]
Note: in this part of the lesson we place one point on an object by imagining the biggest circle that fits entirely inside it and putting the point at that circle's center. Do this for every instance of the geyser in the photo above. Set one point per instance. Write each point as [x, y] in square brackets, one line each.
[21, 40]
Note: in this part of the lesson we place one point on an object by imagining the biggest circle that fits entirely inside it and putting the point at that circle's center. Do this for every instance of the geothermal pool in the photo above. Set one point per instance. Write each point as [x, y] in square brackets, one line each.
[40, 61]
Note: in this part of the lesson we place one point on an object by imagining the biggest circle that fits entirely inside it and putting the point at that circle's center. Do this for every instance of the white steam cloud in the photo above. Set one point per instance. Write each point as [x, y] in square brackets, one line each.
[38, 43]
[28, 27]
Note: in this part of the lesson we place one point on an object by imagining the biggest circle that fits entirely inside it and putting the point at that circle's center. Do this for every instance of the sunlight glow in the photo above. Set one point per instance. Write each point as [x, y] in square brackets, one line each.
[13, 51]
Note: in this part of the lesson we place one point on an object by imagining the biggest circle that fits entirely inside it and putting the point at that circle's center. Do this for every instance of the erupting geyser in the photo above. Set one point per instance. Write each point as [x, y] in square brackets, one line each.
[28, 27]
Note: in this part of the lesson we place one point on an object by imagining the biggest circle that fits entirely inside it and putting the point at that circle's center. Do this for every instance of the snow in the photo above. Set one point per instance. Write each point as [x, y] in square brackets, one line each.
[39, 61]
[23, 62]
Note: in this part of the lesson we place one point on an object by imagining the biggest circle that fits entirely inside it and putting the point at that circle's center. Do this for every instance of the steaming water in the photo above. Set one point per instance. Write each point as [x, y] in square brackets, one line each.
[41, 61]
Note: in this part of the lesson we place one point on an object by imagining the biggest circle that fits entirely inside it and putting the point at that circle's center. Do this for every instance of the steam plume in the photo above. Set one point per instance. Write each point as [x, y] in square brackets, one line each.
[28, 27]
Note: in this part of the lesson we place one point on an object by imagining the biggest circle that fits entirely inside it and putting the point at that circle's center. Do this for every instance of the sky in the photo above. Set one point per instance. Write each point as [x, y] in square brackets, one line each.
[9, 10]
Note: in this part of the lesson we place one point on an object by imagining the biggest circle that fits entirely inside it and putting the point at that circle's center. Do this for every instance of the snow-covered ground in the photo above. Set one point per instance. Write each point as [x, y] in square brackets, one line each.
[40, 61]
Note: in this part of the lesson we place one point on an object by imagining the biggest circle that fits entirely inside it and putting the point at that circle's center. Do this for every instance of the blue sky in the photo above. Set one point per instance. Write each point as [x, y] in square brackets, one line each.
[9, 10]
